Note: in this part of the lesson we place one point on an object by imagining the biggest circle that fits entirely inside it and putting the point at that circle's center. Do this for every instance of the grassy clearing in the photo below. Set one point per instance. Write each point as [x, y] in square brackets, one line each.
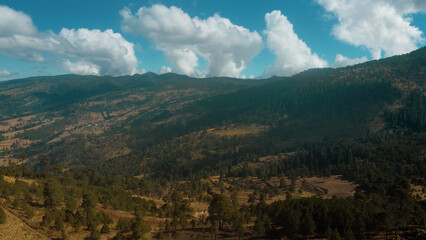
[13, 179]
[325, 187]
[335, 185]
[233, 130]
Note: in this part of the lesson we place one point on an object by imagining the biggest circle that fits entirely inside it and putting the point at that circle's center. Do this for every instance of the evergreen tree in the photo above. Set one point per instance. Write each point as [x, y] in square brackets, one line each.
[259, 226]
[335, 235]
[95, 235]
[52, 193]
[220, 210]
[140, 228]
[238, 224]
[307, 224]
[89, 201]
[181, 210]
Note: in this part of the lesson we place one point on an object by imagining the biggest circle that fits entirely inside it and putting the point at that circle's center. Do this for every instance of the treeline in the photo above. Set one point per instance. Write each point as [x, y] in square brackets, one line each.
[342, 218]
[373, 162]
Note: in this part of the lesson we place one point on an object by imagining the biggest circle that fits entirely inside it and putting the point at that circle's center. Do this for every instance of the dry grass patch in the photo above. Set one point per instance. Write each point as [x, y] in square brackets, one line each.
[419, 191]
[199, 206]
[304, 188]
[153, 222]
[5, 161]
[13, 180]
[243, 196]
[118, 214]
[239, 130]
[59, 138]
[8, 143]
[15, 122]
[336, 186]
[14, 229]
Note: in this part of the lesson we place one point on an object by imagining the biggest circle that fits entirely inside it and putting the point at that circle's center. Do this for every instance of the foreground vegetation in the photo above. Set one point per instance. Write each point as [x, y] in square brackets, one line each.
[69, 204]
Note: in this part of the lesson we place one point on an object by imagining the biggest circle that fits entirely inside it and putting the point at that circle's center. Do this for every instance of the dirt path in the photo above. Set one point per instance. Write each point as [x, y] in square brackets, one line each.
[14, 229]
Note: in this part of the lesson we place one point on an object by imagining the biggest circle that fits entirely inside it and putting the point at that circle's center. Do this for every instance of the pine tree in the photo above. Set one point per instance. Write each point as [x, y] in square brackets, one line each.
[307, 225]
[259, 226]
[220, 210]
[89, 201]
[52, 193]
[335, 235]
[140, 228]
[238, 224]
[348, 233]
[95, 235]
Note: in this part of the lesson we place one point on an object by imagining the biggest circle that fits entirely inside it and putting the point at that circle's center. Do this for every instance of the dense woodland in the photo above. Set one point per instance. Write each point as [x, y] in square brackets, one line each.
[365, 123]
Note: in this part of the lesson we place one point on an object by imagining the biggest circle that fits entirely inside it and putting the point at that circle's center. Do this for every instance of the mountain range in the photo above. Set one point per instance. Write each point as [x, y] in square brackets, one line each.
[140, 124]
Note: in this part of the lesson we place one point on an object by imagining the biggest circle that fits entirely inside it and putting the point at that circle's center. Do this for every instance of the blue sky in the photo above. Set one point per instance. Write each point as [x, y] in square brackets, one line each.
[239, 38]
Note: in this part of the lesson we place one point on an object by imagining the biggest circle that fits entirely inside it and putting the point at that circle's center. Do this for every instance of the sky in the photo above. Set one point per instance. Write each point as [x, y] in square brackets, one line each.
[202, 38]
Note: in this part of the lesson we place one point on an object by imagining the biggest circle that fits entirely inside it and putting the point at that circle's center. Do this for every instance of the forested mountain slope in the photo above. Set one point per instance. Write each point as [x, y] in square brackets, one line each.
[39, 113]
[117, 124]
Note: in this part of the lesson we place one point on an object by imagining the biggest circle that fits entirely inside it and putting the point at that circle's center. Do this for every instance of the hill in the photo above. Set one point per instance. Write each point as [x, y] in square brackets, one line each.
[41, 112]
[82, 121]
[327, 153]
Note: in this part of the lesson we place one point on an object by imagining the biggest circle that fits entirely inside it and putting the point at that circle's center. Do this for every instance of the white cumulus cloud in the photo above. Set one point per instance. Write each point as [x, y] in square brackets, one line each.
[226, 47]
[82, 68]
[84, 50]
[13, 22]
[5, 73]
[292, 54]
[184, 60]
[109, 51]
[19, 38]
[165, 69]
[409, 6]
[379, 25]
[342, 61]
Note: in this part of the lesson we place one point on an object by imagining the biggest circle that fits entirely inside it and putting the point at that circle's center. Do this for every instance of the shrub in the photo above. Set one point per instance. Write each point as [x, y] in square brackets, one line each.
[124, 226]
[105, 229]
[2, 216]
[29, 212]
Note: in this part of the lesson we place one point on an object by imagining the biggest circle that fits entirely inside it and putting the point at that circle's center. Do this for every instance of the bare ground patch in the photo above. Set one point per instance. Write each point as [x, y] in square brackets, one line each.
[233, 130]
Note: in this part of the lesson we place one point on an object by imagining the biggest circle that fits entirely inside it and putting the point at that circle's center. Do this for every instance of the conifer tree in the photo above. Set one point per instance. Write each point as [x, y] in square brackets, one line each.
[52, 193]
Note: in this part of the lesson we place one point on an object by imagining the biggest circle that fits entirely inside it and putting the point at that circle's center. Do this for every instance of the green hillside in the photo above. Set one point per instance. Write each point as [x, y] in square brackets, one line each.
[112, 124]
[356, 101]
[324, 154]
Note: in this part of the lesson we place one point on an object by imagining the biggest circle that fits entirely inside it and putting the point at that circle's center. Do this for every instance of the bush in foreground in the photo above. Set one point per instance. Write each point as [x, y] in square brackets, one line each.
[2, 216]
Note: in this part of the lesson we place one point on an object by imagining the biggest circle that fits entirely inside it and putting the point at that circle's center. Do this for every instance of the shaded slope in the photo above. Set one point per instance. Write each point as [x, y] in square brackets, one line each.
[147, 114]
[321, 103]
